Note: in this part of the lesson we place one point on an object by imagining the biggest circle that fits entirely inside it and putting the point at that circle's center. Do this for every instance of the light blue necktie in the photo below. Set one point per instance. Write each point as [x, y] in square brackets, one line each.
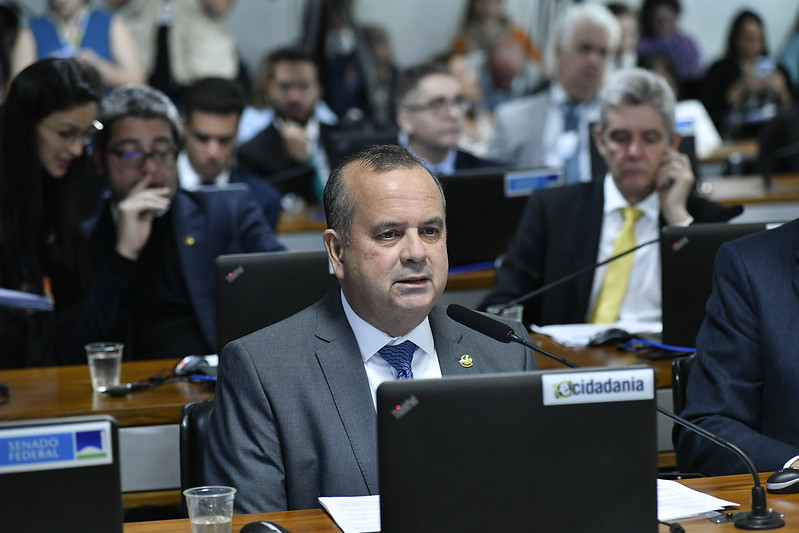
[571, 122]
[399, 357]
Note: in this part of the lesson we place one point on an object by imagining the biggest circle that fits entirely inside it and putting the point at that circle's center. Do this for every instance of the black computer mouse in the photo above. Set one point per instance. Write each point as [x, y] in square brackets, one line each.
[263, 527]
[194, 364]
[785, 481]
[609, 336]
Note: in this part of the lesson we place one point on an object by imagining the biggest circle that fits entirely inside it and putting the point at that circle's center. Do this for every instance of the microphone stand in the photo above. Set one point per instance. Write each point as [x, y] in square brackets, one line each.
[759, 518]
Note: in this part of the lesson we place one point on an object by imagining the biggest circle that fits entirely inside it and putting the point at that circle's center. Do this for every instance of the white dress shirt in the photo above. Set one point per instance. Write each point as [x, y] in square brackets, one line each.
[642, 298]
[557, 144]
[370, 340]
[191, 181]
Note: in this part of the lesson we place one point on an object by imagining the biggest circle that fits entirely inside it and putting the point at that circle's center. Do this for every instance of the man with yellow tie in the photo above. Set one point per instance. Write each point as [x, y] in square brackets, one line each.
[648, 185]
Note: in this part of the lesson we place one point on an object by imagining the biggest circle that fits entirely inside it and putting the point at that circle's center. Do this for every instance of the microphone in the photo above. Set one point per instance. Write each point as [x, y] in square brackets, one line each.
[780, 153]
[722, 215]
[760, 517]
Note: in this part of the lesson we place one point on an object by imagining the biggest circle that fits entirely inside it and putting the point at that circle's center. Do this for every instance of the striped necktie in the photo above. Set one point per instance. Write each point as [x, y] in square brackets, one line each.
[399, 356]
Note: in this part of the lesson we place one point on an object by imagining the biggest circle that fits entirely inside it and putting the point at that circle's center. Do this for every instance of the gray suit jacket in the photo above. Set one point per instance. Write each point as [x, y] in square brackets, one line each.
[294, 417]
[521, 123]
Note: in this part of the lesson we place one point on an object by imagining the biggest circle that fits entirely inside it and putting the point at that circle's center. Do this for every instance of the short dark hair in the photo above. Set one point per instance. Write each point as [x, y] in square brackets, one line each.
[339, 203]
[214, 95]
[411, 76]
[647, 10]
[288, 55]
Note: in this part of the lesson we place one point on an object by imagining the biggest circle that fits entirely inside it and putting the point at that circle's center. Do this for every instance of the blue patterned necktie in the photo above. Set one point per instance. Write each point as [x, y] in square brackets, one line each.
[571, 122]
[399, 357]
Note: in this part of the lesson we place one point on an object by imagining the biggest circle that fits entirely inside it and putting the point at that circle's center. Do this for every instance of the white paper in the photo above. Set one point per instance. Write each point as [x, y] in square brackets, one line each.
[677, 501]
[579, 334]
[356, 514]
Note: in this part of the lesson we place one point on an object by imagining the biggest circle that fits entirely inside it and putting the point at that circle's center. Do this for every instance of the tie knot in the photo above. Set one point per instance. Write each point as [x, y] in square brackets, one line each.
[399, 356]
[631, 214]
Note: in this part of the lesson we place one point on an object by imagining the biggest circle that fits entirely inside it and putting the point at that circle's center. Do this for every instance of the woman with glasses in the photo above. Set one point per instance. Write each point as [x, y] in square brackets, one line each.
[49, 117]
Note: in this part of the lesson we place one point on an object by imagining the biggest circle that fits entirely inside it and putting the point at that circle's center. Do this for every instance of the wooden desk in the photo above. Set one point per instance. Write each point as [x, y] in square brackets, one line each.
[731, 488]
[148, 419]
[309, 218]
[742, 149]
[732, 190]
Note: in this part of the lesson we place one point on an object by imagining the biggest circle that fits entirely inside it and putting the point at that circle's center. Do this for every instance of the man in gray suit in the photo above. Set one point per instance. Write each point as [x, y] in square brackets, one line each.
[295, 402]
[550, 128]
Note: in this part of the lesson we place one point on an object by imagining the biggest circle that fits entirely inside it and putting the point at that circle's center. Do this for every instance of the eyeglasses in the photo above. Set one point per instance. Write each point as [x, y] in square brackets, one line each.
[439, 106]
[134, 159]
[70, 135]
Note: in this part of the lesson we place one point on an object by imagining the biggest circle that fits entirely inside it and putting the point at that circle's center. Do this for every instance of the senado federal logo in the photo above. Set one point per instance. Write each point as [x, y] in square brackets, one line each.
[596, 387]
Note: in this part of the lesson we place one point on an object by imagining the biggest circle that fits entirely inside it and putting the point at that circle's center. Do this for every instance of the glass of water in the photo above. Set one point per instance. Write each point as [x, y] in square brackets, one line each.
[105, 364]
[210, 508]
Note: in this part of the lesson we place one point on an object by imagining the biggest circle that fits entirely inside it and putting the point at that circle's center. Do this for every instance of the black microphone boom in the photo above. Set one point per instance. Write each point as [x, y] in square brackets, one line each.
[760, 517]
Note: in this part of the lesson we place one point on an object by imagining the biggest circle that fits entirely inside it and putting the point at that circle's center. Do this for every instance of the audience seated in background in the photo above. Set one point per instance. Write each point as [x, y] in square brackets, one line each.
[564, 229]
[212, 107]
[627, 52]
[745, 87]
[258, 115]
[294, 415]
[507, 74]
[181, 41]
[742, 385]
[49, 116]
[789, 58]
[659, 32]
[290, 152]
[691, 114]
[550, 128]
[92, 36]
[155, 244]
[778, 143]
[430, 113]
[382, 75]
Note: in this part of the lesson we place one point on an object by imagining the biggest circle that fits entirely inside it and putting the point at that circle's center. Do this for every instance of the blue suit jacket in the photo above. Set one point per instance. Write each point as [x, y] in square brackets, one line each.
[294, 418]
[743, 385]
[266, 194]
[207, 223]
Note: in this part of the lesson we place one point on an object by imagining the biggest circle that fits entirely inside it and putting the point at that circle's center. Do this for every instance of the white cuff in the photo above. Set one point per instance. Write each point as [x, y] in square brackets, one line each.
[790, 462]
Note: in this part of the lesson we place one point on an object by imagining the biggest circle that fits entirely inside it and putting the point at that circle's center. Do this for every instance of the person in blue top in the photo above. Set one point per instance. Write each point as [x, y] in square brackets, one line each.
[94, 37]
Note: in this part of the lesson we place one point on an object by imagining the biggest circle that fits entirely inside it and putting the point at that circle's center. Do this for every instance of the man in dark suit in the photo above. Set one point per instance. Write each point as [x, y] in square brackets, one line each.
[565, 229]
[430, 114]
[212, 109]
[294, 416]
[290, 152]
[155, 245]
[742, 385]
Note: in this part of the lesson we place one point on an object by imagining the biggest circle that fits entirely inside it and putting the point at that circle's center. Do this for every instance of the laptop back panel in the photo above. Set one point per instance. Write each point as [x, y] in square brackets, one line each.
[687, 255]
[63, 472]
[256, 290]
[493, 453]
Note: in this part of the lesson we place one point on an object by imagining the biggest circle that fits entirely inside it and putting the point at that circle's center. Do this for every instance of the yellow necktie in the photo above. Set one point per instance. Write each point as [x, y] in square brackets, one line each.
[606, 309]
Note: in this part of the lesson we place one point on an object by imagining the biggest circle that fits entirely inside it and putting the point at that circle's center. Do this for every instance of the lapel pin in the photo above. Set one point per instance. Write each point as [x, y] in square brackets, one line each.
[466, 361]
[188, 240]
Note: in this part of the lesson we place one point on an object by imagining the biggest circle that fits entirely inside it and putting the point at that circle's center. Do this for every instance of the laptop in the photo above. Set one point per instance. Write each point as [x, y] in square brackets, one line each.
[554, 451]
[61, 474]
[484, 207]
[687, 255]
[259, 289]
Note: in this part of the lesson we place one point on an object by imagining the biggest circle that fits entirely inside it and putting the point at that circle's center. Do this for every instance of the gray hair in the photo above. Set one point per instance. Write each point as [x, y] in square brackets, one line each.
[340, 205]
[636, 86]
[578, 16]
[139, 101]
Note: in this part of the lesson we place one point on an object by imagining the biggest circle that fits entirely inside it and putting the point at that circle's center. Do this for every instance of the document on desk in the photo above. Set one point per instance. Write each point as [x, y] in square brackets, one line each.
[579, 334]
[677, 501]
[356, 514]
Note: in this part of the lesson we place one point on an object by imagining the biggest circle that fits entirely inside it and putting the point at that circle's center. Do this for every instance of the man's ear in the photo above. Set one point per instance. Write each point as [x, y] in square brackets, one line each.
[335, 251]
[600, 145]
[675, 141]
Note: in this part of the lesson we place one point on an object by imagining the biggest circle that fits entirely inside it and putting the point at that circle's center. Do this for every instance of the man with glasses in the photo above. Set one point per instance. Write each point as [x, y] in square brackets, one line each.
[290, 152]
[155, 244]
[430, 115]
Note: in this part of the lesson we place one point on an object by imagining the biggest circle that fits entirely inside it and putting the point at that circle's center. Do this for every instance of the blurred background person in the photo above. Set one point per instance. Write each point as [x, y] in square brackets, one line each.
[659, 31]
[49, 117]
[627, 52]
[789, 58]
[10, 20]
[479, 124]
[94, 37]
[745, 87]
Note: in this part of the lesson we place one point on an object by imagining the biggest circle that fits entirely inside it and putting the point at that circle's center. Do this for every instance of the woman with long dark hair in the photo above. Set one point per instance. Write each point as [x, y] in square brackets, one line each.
[49, 116]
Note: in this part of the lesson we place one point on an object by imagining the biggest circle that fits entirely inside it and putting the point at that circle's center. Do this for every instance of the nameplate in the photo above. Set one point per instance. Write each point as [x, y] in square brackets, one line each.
[55, 446]
[598, 387]
[524, 182]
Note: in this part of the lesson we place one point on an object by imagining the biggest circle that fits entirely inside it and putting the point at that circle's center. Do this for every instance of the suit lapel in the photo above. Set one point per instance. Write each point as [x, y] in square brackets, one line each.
[339, 358]
[454, 358]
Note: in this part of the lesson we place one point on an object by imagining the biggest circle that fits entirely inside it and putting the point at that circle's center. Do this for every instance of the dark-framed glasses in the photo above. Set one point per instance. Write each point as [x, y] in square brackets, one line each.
[137, 158]
[439, 106]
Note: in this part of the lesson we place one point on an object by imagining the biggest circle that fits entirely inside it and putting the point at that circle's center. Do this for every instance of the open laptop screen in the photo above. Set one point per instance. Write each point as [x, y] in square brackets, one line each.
[565, 451]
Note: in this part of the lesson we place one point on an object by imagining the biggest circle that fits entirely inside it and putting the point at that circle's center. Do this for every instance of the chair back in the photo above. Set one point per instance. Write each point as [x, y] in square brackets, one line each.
[680, 368]
[193, 429]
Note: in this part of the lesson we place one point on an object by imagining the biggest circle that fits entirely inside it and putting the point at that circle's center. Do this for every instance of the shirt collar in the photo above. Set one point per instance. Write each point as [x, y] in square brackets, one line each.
[370, 339]
[191, 181]
[649, 206]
